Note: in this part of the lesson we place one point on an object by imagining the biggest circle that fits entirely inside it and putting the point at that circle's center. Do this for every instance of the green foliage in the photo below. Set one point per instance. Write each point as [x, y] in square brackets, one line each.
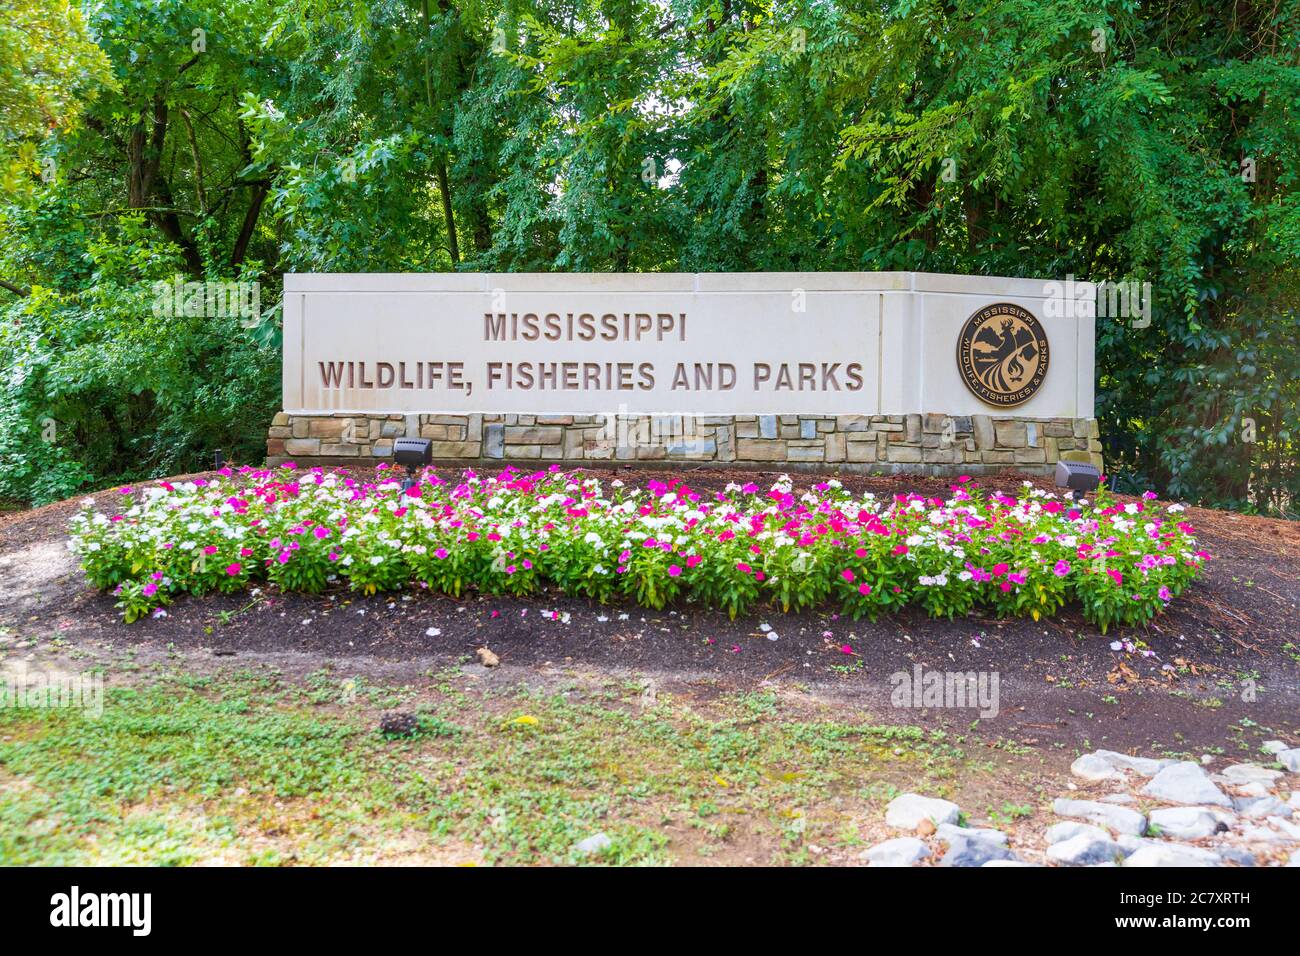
[1107, 140]
[1024, 557]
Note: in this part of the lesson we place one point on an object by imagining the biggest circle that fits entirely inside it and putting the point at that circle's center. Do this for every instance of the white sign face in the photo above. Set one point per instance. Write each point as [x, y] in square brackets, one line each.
[766, 343]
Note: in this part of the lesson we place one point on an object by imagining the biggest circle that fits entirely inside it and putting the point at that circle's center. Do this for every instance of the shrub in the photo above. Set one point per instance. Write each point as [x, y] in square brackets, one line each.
[1027, 555]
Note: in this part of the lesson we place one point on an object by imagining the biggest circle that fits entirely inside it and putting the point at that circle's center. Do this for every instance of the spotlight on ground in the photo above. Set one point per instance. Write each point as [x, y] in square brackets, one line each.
[412, 453]
[1077, 476]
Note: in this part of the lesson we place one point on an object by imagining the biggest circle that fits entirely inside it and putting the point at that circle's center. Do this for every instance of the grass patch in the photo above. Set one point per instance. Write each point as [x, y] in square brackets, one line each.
[253, 769]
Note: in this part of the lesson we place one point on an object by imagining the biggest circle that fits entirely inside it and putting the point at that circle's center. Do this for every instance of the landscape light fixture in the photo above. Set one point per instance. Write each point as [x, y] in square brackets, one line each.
[412, 453]
[218, 460]
[1077, 476]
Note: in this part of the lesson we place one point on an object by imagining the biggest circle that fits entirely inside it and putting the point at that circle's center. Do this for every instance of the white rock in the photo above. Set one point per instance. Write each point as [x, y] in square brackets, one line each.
[1290, 759]
[1185, 783]
[1146, 766]
[1184, 823]
[1173, 854]
[1093, 767]
[1119, 798]
[1005, 863]
[1286, 826]
[1272, 746]
[907, 811]
[948, 833]
[1249, 773]
[1257, 808]
[1059, 832]
[902, 851]
[1252, 789]
[593, 844]
[1084, 850]
[1119, 819]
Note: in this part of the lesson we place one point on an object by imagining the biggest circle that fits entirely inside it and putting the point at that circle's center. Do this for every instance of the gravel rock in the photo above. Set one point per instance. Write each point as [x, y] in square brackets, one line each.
[1085, 850]
[1233, 854]
[1146, 766]
[1059, 832]
[1119, 798]
[1173, 854]
[1252, 789]
[1286, 826]
[973, 850]
[948, 832]
[907, 811]
[1119, 819]
[1184, 823]
[1272, 746]
[1093, 767]
[903, 851]
[1259, 807]
[1005, 863]
[1185, 783]
[593, 844]
[1249, 773]
[1290, 759]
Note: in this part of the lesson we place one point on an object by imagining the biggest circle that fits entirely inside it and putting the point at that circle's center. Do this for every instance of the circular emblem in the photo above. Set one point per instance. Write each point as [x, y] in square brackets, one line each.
[1002, 354]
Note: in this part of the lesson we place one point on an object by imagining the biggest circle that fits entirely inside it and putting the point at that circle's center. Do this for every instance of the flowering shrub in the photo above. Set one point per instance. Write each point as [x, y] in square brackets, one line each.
[518, 532]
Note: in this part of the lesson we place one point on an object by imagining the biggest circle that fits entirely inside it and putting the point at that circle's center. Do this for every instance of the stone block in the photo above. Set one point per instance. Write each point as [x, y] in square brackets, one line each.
[751, 450]
[302, 446]
[861, 451]
[493, 440]
[904, 453]
[985, 438]
[912, 427]
[523, 451]
[766, 426]
[520, 435]
[1010, 434]
[853, 423]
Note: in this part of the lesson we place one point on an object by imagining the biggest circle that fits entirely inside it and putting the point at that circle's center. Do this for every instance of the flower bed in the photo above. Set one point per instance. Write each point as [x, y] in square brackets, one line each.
[519, 532]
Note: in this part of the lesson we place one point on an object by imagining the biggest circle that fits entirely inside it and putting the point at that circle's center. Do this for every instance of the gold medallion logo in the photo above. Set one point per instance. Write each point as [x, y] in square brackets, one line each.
[1002, 354]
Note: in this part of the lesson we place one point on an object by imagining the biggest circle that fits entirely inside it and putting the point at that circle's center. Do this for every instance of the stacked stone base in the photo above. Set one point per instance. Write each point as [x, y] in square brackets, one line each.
[931, 444]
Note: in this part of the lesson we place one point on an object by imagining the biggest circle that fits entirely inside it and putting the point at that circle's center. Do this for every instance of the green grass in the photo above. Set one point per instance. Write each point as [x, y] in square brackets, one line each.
[249, 768]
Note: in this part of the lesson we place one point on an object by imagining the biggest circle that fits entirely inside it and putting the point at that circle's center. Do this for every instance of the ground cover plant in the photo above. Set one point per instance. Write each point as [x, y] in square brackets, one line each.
[519, 532]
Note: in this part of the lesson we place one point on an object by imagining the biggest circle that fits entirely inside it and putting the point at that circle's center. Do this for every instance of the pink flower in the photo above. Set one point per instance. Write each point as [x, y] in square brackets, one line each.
[321, 532]
[440, 554]
[1000, 569]
[210, 549]
[233, 569]
[900, 549]
[847, 575]
[693, 560]
[1062, 568]
[1164, 594]
[864, 589]
[742, 567]
[674, 570]
[845, 649]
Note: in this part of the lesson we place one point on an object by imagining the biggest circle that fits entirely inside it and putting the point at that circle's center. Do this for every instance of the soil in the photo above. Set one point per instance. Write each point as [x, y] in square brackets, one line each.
[1221, 668]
